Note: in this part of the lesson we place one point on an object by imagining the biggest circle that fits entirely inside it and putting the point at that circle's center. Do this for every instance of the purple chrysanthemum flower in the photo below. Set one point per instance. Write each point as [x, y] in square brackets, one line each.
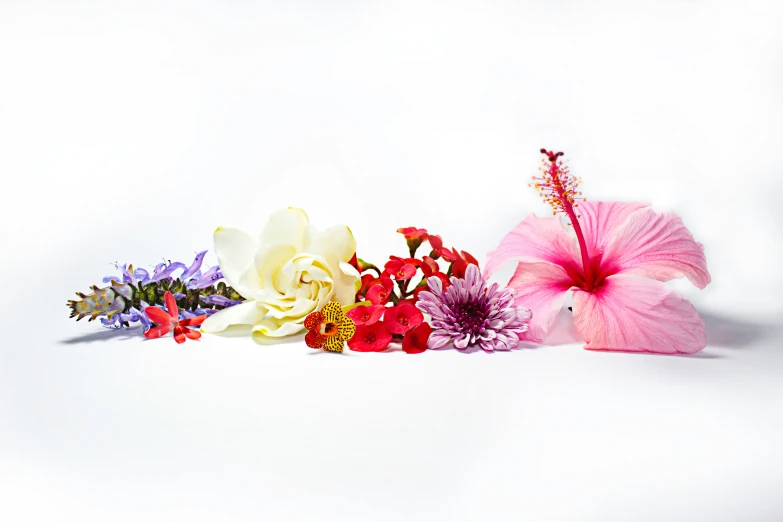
[468, 314]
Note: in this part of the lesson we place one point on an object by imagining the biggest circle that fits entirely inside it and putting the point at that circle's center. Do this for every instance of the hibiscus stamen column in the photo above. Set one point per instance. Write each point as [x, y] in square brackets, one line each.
[558, 188]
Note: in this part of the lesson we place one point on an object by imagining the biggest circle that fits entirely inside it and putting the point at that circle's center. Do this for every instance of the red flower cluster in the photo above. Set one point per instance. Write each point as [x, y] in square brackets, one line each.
[377, 326]
[392, 316]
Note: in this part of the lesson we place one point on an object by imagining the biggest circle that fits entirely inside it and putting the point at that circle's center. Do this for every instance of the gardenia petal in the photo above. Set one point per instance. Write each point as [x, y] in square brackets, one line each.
[288, 280]
[345, 284]
[286, 226]
[277, 328]
[247, 313]
[235, 250]
[334, 244]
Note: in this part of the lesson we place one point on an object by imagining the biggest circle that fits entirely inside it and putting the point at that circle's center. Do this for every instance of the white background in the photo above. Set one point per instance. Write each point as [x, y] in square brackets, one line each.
[129, 131]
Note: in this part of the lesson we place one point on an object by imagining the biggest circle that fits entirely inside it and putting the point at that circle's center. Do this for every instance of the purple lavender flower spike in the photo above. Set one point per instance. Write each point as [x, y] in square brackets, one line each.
[166, 273]
[141, 275]
[143, 319]
[194, 266]
[218, 300]
[127, 277]
[127, 285]
[209, 278]
[470, 314]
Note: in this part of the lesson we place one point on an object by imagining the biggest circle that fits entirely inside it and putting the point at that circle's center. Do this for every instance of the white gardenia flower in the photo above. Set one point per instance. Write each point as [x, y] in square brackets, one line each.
[291, 270]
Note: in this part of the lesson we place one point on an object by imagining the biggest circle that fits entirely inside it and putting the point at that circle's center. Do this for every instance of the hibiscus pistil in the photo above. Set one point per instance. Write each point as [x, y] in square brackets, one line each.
[558, 188]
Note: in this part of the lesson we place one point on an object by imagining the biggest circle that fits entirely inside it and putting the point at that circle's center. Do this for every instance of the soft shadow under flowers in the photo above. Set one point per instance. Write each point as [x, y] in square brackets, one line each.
[723, 332]
[107, 334]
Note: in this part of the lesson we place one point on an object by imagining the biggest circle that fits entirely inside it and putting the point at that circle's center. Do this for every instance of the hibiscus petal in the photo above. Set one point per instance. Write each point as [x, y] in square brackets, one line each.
[247, 313]
[657, 246]
[600, 219]
[636, 314]
[542, 288]
[287, 227]
[235, 250]
[536, 239]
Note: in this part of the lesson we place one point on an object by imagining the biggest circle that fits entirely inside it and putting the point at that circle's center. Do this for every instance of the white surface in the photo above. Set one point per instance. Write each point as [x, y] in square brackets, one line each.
[128, 133]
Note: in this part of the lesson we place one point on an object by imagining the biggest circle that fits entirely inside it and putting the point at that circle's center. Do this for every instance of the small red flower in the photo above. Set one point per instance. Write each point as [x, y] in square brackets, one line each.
[414, 237]
[370, 338]
[169, 320]
[449, 255]
[460, 264]
[367, 279]
[401, 269]
[401, 318]
[366, 315]
[469, 258]
[437, 246]
[429, 266]
[413, 233]
[415, 341]
[379, 290]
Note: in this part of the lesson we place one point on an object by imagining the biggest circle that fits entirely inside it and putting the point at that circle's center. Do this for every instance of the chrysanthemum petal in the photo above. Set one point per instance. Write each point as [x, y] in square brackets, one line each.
[438, 340]
[637, 314]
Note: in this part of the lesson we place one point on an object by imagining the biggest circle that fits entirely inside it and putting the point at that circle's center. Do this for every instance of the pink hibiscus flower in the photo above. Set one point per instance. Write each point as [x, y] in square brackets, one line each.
[614, 258]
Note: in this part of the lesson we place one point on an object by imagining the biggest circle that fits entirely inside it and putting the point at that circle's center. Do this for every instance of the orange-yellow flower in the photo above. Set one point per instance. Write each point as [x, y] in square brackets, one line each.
[329, 329]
